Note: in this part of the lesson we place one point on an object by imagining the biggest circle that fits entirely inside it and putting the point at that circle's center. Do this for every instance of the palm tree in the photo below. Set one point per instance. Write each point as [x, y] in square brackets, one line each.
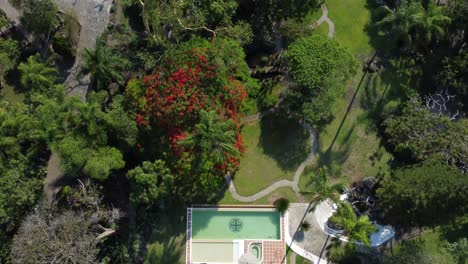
[37, 76]
[435, 22]
[322, 189]
[305, 226]
[103, 65]
[402, 22]
[282, 205]
[357, 229]
[213, 137]
[411, 24]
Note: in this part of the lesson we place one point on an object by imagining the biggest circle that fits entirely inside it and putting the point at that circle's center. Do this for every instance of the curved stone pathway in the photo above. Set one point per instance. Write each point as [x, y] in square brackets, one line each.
[294, 184]
[326, 19]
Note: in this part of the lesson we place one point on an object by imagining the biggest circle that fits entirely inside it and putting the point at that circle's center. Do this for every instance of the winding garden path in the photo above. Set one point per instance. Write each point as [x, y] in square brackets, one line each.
[294, 184]
[326, 19]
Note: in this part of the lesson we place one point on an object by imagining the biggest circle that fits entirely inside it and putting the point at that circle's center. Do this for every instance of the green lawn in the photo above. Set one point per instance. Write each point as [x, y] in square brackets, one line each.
[431, 243]
[349, 144]
[322, 29]
[283, 192]
[350, 18]
[275, 147]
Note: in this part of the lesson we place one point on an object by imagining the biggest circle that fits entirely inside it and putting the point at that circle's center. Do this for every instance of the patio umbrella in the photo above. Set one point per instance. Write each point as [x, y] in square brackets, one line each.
[248, 258]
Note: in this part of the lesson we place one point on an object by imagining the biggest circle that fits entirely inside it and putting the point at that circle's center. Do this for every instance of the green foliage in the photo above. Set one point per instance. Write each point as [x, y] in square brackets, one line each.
[119, 123]
[413, 252]
[149, 182]
[102, 161]
[322, 189]
[459, 250]
[282, 205]
[419, 134]
[266, 99]
[412, 25]
[319, 68]
[63, 45]
[305, 226]
[20, 187]
[39, 16]
[21, 170]
[103, 64]
[212, 138]
[357, 229]
[454, 74]
[424, 194]
[84, 133]
[9, 54]
[181, 18]
[36, 75]
[226, 54]
[3, 19]
[266, 15]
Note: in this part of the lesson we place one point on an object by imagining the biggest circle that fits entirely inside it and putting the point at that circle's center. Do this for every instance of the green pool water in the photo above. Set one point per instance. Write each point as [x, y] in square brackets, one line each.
[229, 225]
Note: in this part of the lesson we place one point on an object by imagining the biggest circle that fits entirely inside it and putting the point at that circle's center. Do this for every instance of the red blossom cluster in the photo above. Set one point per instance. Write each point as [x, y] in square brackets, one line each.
[176, 135]
[175, 94]
[171, 100]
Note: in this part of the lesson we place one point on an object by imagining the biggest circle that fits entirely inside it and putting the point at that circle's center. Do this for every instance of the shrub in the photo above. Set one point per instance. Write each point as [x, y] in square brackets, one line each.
[282, 205]
[63, 46]
[305, 226]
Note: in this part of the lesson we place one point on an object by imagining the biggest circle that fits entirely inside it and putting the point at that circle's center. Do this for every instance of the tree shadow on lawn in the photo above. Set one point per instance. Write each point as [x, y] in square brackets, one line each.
[167, 239]
[331, 159]
[378, 40]
[285, 140]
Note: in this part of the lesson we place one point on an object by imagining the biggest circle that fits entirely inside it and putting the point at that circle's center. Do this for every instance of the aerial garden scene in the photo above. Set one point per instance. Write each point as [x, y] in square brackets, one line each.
[234, 131]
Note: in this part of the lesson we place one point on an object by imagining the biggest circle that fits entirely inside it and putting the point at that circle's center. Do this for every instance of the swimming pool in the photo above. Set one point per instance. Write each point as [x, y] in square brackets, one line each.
[225, 224]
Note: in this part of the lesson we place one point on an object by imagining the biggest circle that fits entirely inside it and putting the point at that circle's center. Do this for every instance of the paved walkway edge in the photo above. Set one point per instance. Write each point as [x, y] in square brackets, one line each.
[299, 250]
[326, 19]
[294, 184]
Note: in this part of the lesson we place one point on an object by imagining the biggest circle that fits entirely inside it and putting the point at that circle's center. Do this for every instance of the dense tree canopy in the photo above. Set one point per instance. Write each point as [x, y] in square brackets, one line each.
[357, 228]
[149, 182]
[418, 134]
[414, 26]
[170, 22]
[9, 54]
[36, 75]
[319, 68]
[82, 133]
[424, 194]
[40, 16]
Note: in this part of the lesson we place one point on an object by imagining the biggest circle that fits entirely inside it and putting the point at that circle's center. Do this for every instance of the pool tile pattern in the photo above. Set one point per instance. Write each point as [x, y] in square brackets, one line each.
[274, 251]
[189, 235]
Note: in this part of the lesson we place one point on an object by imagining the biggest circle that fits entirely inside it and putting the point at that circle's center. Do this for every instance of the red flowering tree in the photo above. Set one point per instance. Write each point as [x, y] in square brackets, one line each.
[172, 98]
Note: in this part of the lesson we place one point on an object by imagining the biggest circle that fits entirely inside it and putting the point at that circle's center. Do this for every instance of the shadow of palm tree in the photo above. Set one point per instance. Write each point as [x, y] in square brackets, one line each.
[333, 158]
[347, 111]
